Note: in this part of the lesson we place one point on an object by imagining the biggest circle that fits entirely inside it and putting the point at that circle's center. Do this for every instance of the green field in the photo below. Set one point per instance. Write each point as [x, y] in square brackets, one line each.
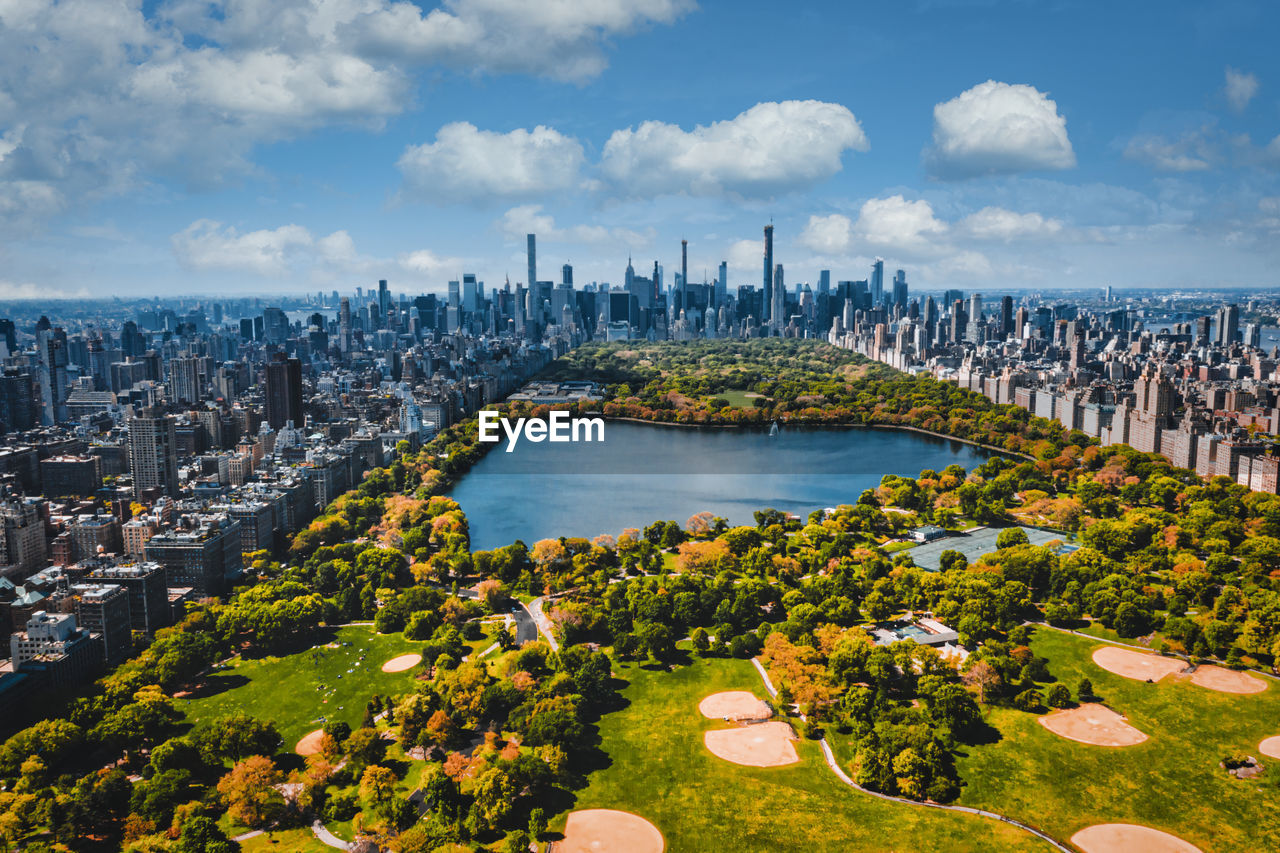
[658, 767]
[285, 841]
[738, 398]
[1171, 781]
[295, 690]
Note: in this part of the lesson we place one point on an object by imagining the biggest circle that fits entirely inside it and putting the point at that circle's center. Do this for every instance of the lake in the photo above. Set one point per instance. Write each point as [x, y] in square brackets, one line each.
[643, 473]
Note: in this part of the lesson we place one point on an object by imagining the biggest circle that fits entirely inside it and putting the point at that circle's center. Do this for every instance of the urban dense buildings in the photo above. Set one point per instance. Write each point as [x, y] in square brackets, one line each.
[149, 446]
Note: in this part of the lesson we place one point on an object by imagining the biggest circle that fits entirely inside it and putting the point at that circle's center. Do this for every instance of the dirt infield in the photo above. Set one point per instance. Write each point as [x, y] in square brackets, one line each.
[310, 743]
[1129, 838]
[1270, 747]
[734, 705]
[1136, 665]
[1227, 680]
[609, 831]
[402, 663]
[1094, 724]
[762, 745]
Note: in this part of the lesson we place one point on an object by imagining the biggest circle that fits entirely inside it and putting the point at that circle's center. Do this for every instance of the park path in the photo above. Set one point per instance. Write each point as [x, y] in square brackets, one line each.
[544, 624]
[844, 777]
[327, 837]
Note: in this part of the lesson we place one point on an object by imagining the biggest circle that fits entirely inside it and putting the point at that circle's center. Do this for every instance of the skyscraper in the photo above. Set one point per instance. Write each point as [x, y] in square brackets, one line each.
[900, 288]
[824, 282]
[344, 325]
[684, 276]
[722, 284]
[532, 283]
[877, 283]
[284, 391]
[153, 453]
[384, 297]
[778, 311]
[768, 270]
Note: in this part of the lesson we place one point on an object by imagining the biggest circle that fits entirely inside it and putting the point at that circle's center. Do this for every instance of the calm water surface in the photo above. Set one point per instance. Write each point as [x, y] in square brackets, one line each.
[642, 473]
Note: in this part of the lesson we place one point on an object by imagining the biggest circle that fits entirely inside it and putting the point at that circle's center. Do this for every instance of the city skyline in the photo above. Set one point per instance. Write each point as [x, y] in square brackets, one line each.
[224, 151]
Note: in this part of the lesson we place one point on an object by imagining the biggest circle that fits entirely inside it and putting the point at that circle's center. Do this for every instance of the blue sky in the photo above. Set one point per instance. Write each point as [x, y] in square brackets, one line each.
[240, 147]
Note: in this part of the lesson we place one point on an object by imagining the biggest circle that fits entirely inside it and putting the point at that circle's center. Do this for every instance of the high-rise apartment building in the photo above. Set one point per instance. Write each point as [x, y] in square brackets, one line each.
[153, 454]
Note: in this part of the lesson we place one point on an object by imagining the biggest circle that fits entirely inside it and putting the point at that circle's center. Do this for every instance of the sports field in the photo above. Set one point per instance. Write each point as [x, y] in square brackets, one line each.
[1171, 781]
[659, 768]
[333, 679]
[973, 544]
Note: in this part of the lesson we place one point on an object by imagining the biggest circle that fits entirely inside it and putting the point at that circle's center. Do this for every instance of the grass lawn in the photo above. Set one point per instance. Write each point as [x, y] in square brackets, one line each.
[738, 398]
[293, 691]
[285, 841]
[659, 768]
[1171, 782]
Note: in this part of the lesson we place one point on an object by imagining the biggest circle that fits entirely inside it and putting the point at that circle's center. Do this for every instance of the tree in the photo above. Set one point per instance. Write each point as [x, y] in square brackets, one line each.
[235, 737]
[202, 835]
[365, 747]
[378, 791]
[249, 791]
[1058, 696]
[1085, 690]
[1011, 536]
[983, 677]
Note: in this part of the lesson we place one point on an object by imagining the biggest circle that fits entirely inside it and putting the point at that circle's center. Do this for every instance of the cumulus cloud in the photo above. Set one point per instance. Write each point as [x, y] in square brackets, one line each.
[561, 39]
[894, 223]
[116, 95]
[996, 223]
[468, 164]
[1239, 89]
[209, 245]
[517, 222]
[828, 235]
[911, 230]
[769, 149]
[998, 128]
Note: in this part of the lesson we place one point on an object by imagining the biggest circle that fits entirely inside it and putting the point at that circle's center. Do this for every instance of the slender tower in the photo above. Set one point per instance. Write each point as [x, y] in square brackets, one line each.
[684, 274]
[768, 271]
[532, 283]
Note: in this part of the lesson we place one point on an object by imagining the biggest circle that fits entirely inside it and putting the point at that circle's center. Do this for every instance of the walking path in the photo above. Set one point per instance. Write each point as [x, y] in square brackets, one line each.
[544, 624]
[328, 837]
[844, 777]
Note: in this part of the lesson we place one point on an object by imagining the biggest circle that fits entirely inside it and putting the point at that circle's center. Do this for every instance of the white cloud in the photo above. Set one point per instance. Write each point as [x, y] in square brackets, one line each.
[561, 39]
[517, 222]
[894, 223]
[769, 149]
[996, 223]
[428, 265]
[468, 164]
[1193, 151]
[293, 252]
[998, 128]
[1239, 89]
[746, 255]
[102, 97]
[828, 235]
[208, 245]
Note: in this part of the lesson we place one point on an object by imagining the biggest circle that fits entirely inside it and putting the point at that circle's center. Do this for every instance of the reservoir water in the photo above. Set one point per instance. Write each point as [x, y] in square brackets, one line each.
[643, 473]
